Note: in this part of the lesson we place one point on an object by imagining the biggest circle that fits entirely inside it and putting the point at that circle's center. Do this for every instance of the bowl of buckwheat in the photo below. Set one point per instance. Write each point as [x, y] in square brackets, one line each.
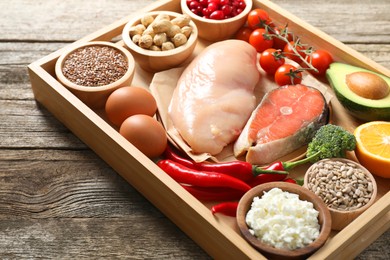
[345, 186]
[93, 70]
[160, 40]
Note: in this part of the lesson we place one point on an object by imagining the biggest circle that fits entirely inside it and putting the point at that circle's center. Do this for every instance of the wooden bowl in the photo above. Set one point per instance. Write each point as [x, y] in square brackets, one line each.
[324, 219]
[218, 30]
[155, 61]
[95, 96]
[342, 218]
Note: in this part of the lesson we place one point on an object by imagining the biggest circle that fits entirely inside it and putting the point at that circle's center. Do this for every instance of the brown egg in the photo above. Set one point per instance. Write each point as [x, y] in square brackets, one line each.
[367, 85]
[145, 133]
[128, 101]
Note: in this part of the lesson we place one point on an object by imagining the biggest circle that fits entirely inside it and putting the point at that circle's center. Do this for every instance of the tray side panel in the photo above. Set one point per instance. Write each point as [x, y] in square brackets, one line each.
[350, 241]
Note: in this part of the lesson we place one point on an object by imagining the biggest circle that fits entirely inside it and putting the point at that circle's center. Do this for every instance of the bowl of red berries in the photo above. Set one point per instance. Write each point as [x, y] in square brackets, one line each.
[217, 20]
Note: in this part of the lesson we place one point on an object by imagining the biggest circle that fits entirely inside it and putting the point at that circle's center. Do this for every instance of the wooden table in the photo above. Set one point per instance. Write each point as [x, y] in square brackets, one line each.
[57, 198]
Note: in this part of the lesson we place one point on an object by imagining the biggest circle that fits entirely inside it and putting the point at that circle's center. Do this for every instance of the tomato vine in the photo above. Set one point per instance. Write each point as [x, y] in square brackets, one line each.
[289, 46]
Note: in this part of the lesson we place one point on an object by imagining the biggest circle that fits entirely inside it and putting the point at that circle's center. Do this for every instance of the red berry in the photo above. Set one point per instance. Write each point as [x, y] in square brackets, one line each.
[212, 7]
[203, 3]
[217, 15]
[224, 8]
[206, 12]
[194, 5]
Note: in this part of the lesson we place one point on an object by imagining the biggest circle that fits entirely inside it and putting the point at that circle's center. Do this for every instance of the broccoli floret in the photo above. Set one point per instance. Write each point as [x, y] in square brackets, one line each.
[330, 141]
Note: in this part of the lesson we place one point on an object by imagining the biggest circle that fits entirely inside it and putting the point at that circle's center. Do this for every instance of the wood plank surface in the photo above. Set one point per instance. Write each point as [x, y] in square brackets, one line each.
[57, 198]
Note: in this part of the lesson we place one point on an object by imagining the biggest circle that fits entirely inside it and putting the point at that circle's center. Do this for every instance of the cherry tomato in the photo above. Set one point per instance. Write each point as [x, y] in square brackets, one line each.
[287, 74]
[278, 43]
[257, 18]
[320, 59]
[244, 33]
[289, 53]
[270, 60]
[260, 40]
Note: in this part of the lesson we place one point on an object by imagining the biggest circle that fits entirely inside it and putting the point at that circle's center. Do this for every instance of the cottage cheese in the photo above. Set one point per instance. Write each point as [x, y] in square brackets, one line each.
[282, 220]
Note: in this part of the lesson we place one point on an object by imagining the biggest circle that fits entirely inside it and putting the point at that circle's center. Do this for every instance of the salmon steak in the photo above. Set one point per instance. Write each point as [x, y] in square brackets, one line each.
[286, 119]
[214, 96]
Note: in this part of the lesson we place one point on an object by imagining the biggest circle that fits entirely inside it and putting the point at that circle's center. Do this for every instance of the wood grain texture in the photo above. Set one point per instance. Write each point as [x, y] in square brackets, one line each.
[57, 198]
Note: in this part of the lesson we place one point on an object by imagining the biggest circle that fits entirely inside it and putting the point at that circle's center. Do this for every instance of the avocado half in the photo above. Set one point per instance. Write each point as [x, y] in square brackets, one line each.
[362, 108]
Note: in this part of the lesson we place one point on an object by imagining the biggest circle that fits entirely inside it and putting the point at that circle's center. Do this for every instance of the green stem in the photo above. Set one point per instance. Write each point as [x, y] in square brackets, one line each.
[289, 165]
[285, 39]
[256, 170]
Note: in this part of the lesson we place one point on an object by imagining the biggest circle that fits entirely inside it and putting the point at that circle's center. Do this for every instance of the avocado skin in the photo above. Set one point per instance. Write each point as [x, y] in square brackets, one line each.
[358, 110]
[364, 113]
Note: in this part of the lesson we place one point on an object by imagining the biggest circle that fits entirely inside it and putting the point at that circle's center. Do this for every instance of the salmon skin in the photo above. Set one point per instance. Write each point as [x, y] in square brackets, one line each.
[285, 120]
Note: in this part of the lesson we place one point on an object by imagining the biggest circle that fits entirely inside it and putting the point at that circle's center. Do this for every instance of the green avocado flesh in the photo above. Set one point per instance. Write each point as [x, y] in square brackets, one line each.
[362, 108]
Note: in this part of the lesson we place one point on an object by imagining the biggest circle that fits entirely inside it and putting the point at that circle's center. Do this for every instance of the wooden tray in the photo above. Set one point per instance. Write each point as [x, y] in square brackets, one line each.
[217, 235]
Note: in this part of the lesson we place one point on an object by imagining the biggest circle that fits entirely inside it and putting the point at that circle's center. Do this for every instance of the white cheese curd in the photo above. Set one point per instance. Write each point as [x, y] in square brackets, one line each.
[282, 220]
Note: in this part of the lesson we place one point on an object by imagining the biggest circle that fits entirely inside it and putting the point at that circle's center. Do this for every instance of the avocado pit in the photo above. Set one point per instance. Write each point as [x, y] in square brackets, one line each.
[367, 85]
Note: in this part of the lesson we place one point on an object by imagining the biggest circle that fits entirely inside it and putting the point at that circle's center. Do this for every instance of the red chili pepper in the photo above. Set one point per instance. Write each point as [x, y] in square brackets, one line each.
[238, 169]
[170, 154]
[226, 208]
[183, 174]
[264, 178]
[213, 193]
[295, 181]
[277, 166]
[290, 180]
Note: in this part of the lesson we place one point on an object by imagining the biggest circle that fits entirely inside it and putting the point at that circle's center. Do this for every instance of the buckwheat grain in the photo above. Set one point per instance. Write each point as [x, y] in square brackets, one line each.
[94, 66]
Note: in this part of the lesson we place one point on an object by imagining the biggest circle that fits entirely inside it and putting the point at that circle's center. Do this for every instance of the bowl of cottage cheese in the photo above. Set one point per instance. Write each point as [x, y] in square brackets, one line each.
[283, 220]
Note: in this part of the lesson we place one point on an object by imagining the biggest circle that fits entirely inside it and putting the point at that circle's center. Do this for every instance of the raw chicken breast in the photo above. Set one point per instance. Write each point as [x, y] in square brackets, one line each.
[285, 120]
[214, 96]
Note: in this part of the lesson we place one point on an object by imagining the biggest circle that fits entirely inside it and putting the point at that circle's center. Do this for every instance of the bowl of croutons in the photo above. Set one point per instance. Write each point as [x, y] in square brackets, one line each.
[160, 40]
